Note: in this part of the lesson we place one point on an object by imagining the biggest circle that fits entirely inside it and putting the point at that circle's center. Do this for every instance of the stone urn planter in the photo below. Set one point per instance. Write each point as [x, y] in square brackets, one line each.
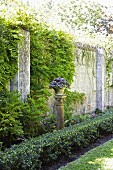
[59, 84]
[59, 91]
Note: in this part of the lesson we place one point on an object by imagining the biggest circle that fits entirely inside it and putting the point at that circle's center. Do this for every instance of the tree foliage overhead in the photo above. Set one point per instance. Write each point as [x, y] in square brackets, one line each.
[80, 14]
[80, 18]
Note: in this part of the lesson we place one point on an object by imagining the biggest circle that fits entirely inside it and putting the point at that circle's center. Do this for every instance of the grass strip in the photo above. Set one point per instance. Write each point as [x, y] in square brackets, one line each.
[99, 158]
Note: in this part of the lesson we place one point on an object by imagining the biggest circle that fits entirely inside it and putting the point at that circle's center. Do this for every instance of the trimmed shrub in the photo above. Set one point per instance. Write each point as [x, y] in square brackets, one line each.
[10, 114]
[9, 38]
[34, 153]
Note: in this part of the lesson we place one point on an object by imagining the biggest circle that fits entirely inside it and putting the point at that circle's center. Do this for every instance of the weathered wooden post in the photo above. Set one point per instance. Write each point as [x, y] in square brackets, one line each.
[59, 84]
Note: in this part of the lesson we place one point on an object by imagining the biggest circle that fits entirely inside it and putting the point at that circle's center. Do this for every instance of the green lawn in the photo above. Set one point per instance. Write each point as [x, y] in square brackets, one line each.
[100, 158]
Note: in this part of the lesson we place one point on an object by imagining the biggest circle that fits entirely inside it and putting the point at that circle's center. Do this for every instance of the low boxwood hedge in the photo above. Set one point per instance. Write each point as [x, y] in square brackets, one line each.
[34, 153]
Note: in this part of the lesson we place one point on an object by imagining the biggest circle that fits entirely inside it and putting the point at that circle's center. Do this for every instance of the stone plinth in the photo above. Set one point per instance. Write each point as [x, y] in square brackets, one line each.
[60, 110]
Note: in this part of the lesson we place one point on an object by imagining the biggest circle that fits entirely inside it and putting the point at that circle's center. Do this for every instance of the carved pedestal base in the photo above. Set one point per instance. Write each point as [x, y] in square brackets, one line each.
[60, 110]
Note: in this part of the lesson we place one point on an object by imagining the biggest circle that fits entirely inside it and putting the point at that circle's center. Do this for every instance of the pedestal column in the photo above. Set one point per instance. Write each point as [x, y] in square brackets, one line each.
[60, 110]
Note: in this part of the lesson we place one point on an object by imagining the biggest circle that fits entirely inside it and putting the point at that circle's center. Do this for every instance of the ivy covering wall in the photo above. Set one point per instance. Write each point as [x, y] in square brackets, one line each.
[52, 55]
[8, 52]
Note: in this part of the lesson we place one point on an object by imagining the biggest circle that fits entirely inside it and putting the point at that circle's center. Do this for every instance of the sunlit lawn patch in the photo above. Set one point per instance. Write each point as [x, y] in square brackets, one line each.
[100, 158]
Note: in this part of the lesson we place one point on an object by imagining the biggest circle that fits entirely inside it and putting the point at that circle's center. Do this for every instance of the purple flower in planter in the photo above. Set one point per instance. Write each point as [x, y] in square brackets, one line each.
[59, 83]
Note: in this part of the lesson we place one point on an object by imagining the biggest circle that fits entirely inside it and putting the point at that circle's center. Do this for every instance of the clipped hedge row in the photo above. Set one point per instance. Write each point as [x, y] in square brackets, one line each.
[34, 153]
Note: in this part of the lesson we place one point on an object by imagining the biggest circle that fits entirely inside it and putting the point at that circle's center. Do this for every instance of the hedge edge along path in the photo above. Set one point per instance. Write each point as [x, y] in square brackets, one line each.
[34, 153]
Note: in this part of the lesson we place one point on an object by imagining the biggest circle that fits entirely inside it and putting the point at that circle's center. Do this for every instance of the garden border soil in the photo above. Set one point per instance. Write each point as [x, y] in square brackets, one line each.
[62, 161]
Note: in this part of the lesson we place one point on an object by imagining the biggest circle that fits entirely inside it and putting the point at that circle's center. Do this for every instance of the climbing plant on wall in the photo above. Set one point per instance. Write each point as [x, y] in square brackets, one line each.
[52, 55]
[8, 53]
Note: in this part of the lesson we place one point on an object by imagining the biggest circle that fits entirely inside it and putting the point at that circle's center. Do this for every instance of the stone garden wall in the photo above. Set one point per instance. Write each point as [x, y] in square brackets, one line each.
[85, 81]
[89, 78]
[21, 81]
